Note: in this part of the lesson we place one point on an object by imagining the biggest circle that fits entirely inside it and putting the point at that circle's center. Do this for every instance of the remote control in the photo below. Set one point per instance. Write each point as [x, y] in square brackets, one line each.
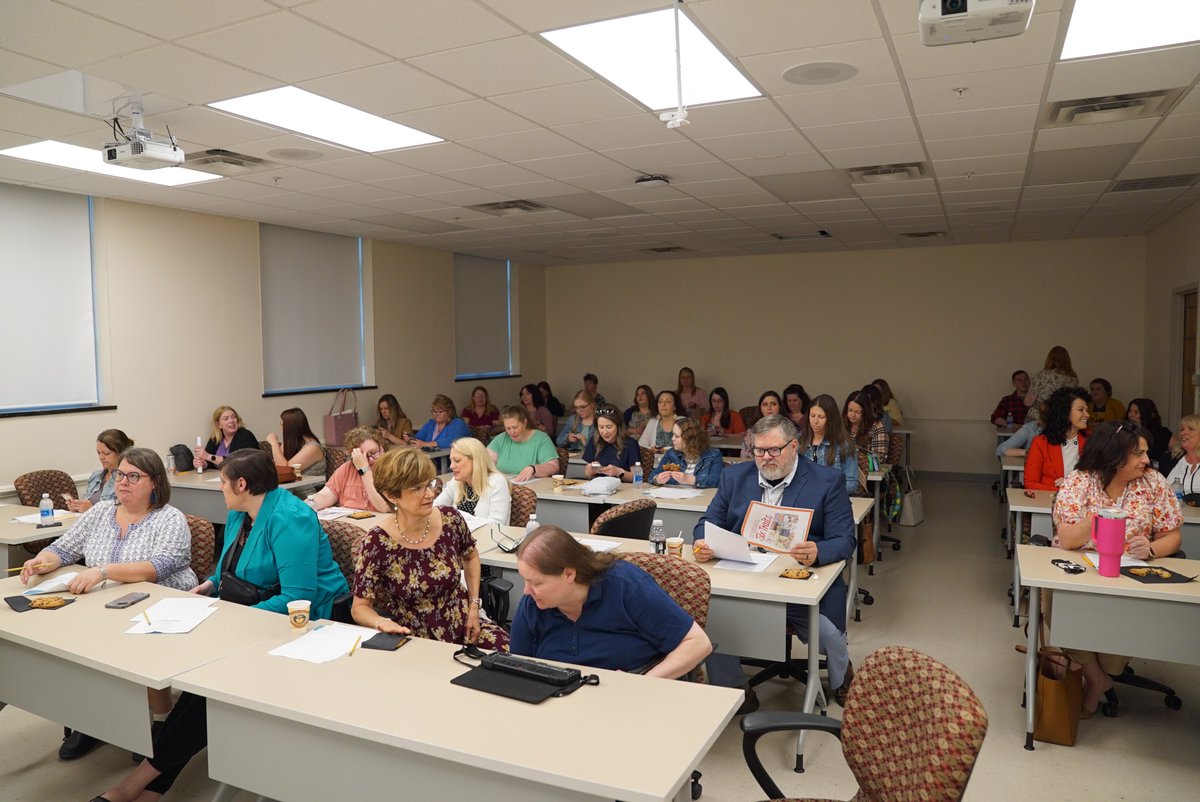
[530, 669]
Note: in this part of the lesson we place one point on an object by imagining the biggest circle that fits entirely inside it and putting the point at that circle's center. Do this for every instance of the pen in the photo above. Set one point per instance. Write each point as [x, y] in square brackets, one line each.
[21, 567]
[357, 641]
[146, 615]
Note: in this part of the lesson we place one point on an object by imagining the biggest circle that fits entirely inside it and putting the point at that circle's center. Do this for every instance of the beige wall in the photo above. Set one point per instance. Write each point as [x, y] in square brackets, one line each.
[1173, 260]
[945, 326]
[158, 269]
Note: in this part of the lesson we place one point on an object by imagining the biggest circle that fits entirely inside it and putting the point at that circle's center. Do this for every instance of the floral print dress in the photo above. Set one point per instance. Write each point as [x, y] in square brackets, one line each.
[420, 588]
[1150, 507]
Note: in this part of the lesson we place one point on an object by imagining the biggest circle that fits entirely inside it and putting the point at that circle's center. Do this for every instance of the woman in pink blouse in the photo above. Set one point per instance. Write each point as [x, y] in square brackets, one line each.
[1114, 471]
[695, 399]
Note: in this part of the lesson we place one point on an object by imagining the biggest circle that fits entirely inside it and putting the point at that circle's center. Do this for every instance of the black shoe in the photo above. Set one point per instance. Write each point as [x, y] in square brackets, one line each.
[841, 693]
[76, 745]
[155, 729]
[751, 703]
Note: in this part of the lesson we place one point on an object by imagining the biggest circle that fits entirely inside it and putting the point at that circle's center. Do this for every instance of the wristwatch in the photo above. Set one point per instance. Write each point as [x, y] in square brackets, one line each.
[361, 471]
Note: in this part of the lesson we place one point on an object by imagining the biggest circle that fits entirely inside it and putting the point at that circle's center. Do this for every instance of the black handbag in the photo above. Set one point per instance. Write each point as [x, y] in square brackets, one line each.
[235, 589]
[182, 456]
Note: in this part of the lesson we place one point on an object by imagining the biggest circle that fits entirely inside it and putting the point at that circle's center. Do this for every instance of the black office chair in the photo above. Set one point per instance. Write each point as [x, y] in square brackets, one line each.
[1112, 702]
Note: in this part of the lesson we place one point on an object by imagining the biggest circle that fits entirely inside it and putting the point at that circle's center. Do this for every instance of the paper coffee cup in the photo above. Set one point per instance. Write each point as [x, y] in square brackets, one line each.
[298, 613]
[675, 546]
[558, 480]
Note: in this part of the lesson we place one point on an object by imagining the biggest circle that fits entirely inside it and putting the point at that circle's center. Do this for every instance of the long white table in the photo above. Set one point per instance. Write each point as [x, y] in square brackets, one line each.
[747, 613]
[199, 494]
[14, 535]
[75, 665]
[389, 725]
[1039, 507]
[1116, 615]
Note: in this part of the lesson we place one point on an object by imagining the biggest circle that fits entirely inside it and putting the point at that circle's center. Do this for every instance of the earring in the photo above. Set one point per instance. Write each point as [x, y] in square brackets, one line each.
[153, 497]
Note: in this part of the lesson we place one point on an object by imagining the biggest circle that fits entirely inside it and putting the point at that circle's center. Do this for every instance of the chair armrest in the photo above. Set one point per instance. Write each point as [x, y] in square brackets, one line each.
[500, 584]
[756, 725]
[341, 609]
[1039, 540]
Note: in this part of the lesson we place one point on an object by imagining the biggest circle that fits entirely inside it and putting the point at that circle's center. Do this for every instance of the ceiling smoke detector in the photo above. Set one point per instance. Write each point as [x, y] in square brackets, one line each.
[651, 181]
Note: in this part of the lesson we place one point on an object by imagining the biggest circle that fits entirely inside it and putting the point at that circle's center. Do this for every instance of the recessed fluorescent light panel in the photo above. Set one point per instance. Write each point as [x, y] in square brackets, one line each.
[60, 154]
[1100, 27]
[312, 115]
[638, 55]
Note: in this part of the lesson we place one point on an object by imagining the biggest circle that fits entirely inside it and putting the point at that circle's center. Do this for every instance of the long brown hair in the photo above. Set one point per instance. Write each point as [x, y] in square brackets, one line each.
[835, 431]
[695, 439]
[1058, 359]
[614, 417]
[296, 431]
[550, 550]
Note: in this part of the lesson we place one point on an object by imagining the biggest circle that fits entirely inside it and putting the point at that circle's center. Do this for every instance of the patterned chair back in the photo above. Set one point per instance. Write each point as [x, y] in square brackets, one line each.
[335, 457]
[30, 486]
[265, 448]
[204, 545]
[564, 457]
[632, 520]
[343, 537]
[524, 504]
[912, 728]
[685, 582]
[647, 458]
[895, 454]
[750, 415]
[863, 469]
[481, 433]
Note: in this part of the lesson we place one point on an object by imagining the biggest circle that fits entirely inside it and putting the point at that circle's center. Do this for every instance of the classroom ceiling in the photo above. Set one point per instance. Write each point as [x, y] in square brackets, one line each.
[522, 121]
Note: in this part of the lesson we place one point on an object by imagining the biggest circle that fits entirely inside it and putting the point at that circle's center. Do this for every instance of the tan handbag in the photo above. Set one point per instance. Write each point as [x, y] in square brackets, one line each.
[1059, 698]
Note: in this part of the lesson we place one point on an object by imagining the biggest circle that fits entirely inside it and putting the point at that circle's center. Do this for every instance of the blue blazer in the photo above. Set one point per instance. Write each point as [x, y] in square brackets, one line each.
[814, 487]
[708, 468]
[454, 429]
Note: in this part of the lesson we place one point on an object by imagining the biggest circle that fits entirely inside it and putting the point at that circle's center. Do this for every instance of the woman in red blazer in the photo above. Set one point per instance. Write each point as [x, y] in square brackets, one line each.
[1053, 453]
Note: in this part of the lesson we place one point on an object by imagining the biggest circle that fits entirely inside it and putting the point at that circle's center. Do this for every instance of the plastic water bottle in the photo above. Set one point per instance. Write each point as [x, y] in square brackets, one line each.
[533, 524]
[169, 463]
[46, 510]
[658, 538]
[200, 444]
[1177, 487]
[1008, 419]
[637, 474]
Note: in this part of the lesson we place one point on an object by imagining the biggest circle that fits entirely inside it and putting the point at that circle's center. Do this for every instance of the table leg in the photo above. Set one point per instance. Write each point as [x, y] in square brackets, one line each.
[878, 533]
[813, 687]
[852, 589]
[1016, 586]
[1031, 646]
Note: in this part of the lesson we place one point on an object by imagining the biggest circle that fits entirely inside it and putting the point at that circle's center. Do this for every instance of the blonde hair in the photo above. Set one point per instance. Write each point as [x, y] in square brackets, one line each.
[1190, 421]
[216, 418]
[482, 466]
[583, 395]
[400, 469]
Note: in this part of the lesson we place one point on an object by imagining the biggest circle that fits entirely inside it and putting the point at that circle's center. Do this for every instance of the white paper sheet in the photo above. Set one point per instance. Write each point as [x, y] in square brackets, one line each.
[672, 492]
[598, 545]
[56, 585]
[325, 643]
[333, 513]
[216, 478]
[176, 609]
[528, 481]
[727, 545]
[759, 563]
[166, 626]
[1127, 560]
[475, 522]
[36, 517]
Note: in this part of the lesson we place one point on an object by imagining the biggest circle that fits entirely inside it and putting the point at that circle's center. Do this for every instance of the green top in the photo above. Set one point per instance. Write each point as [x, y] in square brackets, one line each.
[512, 456]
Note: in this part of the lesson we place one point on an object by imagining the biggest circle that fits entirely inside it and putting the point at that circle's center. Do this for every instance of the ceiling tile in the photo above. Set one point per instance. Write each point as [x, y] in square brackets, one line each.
[492, 175]
[242, 44]
[386, 89]
[363, 168]
[797, 187]
[62, 35]
[1161, 168]
[439, 157]
[1082, 164]
[173, 20]
[733, 118]
[1083, 136]
[771, 165]
[528, 64]
[42, 122]
[750, 27]
[968, 147]
[870, 57]
[913, 186]
[1019, 86]
[457, 121]
[1168, 149]
[853, 104]
[181, 73]
[422, 184]
[658, 158]
[574, 165]
[979, 122]
[765, 145]
[869, 157]
[582, 101]
[641, 129]
[899, 130]
[1176, 126]
[1124, 73]
[548, 15]
[406, 29]
[525, 145]
[981, 164]
[954, 183]
[17, 69]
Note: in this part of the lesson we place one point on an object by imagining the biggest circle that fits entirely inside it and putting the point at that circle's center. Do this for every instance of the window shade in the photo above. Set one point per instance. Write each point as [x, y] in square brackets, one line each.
[47, 316]
[482, 317]
[312, 310]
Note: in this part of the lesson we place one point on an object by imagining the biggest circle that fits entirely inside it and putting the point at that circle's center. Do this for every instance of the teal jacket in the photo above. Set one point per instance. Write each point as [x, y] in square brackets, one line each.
[286, 547]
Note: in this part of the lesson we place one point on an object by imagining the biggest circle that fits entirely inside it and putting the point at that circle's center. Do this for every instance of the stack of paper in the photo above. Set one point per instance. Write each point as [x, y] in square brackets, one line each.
[672, 492]
[36, 517]
[333, 513]
[172, 616]
[326, 642]
[56, 585]
[758, 564]
[598, 545]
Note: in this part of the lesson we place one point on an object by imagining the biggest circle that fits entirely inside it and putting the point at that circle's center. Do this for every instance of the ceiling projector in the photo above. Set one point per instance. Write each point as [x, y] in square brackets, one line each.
[952, 22]
[143, 154]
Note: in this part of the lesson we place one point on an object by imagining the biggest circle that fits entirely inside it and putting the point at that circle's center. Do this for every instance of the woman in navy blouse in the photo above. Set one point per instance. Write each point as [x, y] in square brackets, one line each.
[611, 451]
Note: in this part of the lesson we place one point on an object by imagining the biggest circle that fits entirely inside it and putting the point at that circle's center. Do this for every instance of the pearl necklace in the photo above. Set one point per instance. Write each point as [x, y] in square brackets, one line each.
[403, 539]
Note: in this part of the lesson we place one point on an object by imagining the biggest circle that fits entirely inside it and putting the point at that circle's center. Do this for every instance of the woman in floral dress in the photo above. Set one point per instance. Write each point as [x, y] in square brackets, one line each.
[409, 570]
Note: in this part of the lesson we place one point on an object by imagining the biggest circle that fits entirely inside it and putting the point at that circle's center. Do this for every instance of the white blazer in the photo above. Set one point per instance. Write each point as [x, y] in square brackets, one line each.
[494, 503]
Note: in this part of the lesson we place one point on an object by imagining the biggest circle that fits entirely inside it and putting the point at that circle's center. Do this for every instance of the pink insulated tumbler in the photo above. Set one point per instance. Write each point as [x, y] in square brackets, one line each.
[1108, 532]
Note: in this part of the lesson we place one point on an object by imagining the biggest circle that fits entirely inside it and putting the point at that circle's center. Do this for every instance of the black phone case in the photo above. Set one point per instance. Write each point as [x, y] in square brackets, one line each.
[385, 641]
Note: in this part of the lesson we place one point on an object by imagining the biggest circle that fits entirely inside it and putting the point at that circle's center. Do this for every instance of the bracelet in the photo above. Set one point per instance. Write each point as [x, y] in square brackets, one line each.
[103, 577]
[476, 602]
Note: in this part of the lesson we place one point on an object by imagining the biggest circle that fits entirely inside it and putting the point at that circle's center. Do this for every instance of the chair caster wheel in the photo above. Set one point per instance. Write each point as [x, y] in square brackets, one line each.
[1174, 702]
[895, 547]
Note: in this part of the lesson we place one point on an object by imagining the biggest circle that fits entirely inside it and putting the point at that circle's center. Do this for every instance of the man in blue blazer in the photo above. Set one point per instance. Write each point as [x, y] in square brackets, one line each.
[779, 477]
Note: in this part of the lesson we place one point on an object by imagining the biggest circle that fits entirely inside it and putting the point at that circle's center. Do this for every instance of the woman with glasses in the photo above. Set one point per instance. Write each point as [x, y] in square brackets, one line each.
[135, 537]
[722, 419]
[690, 460]
[582, 423]
[299, 445]
[612, 452]
[443, 428]
[353, 484]
[228, 435]
[102, 484]
[769, 403]
[522, 451]
[407, 570]
[1114, 471]
[477, 487]
[275, 552]
[657, 434]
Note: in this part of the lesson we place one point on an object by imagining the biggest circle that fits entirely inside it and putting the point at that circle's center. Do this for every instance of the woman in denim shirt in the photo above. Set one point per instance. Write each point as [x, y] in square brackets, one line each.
[102, 484]
[690, 460]
[825, 441]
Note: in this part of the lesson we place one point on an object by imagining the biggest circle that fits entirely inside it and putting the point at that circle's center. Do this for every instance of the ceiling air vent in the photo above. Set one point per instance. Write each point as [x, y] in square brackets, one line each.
[923, 235]
[1162, 182]
[1114, 108]
[794, 237]
[668, 249]
[507, 208]
[227, 163]
[885, 173]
